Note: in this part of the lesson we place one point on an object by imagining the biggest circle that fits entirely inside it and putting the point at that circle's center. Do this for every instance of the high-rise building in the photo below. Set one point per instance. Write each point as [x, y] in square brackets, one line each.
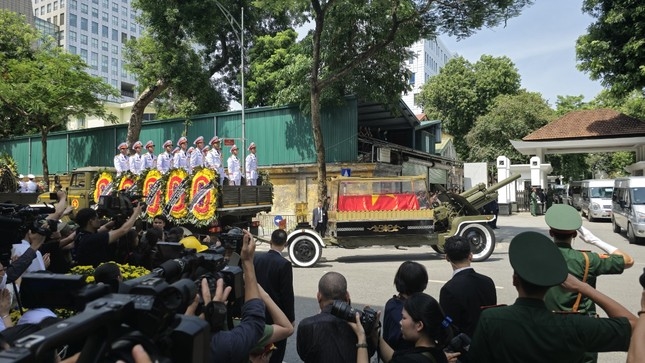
[19, 6]
[97, 30]
[429, 56]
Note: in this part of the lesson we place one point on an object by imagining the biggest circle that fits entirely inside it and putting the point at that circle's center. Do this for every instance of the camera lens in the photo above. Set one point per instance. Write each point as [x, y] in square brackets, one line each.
[343, 310]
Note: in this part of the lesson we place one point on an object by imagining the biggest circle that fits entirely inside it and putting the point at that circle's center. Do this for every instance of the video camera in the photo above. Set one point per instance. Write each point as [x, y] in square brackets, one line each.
[118, 205]
[17, 219]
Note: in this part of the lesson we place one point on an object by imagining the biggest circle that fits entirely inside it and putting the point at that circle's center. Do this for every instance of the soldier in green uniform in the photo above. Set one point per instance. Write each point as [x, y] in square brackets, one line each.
[528, 332]
[565, 223]
[534, 199]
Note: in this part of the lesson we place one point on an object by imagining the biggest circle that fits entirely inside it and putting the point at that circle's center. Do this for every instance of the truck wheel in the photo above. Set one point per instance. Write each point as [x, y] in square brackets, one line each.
[631, 236]
[482, 240]
[438, 250]
[304, 250]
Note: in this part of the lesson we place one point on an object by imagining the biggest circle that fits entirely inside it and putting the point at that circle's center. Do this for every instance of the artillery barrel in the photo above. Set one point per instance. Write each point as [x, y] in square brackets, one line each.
[473, 190]
[480, 198]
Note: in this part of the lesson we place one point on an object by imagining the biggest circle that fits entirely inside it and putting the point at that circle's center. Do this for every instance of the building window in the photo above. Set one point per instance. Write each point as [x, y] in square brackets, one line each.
[115, 35]
[95, 27]
[72, 4]
[124, 11]
[105, 17]
[124, 24]
[105, 3]
[115, 20]
[84, 55]
[105, 47]
[133, 27]
[36, 11]
[95, 1]
[49, 8]
[42, 10]
[95, 43]
[114, 83]
[104, 64]
[84, 8]
[62, 18]
[83, 39]
[49, 20]
[81, 122]
[115, 66]
[83, 23]
[124, 38]
[62, 4]
[55, 20]
[115, 7]
[105, 31]
[115, 49]
[95, 12]
[72, 36]
[412, 80]
[94, 60]
[55, 5]
[72, 20]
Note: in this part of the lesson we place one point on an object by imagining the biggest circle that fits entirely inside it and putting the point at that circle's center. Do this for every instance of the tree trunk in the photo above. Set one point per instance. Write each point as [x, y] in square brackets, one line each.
[319, 143]
[43, 142]
[136, 117]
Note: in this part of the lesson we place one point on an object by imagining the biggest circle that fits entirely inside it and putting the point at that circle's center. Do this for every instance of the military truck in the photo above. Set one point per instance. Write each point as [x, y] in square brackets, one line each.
[397, 211]
[234, 206]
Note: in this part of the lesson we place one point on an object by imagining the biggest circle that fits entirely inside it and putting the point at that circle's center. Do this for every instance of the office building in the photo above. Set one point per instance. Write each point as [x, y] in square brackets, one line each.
[430, 55]
[97, 30]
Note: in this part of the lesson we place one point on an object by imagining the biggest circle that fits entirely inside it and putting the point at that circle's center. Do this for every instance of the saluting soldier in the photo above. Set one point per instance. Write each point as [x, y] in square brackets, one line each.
[149, 159]
[121, 161]
[136, 160]
[164, 160]
[234, 172]
[251, 166]
[181, 157]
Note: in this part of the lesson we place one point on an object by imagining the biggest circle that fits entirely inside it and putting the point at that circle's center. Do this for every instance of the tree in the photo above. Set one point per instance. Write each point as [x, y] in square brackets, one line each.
[187, 43]
[43, 86]
[613, 49]
[511, 117]
[463, 91]
[360, 48]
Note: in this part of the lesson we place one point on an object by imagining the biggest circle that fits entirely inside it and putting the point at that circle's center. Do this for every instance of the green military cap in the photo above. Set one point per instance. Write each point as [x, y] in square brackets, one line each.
[536, 259]
[563, 217]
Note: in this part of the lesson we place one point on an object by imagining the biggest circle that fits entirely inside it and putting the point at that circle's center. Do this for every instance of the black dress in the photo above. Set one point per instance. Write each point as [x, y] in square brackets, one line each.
[419, 355]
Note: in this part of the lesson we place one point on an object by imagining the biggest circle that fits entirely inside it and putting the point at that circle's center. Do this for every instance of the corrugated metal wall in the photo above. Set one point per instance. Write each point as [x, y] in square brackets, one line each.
[282, 135]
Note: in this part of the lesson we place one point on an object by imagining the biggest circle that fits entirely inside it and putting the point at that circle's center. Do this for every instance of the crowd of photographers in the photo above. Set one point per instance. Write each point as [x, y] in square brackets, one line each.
[216, 317]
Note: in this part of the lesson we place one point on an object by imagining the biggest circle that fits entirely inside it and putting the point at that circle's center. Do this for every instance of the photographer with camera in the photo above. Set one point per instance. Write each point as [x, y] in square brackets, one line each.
[234, 345]
[423, 323]
[326, 337]
[92, 241]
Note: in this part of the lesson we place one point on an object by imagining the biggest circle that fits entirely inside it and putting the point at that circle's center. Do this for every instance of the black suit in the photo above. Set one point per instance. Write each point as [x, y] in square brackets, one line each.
[462, 297]
[274, 273]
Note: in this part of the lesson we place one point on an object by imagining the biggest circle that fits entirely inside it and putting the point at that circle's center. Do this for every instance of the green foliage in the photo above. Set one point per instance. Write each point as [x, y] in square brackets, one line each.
[570, 166]
[463, 91]
[613, 50]
[511, 117]
[609, 165]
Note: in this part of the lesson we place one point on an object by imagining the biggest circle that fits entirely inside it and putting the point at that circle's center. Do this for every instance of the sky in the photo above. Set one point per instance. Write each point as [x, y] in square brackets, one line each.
[541, 43]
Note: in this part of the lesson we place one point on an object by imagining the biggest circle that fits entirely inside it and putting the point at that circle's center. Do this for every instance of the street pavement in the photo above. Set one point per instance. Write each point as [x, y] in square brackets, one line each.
[370, 272]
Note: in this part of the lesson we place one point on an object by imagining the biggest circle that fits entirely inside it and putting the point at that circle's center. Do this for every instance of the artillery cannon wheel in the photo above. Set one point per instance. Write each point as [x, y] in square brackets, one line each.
[437, 249]
[304, 250]
[481, 238]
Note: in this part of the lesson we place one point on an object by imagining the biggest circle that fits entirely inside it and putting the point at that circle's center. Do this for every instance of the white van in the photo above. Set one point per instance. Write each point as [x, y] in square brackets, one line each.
[628, 207]
[573, 194]
[595, 196]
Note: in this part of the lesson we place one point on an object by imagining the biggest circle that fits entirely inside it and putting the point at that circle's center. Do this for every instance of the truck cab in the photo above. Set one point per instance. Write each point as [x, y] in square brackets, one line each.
[80, 188]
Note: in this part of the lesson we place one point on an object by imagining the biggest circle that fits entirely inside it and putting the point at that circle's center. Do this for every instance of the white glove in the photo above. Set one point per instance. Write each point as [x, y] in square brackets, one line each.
[588, 237]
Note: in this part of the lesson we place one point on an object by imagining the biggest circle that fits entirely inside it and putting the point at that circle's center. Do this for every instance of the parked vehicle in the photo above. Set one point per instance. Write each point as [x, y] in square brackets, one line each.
[574, 198]
[628, 208]
[596, 198]
[400, 212]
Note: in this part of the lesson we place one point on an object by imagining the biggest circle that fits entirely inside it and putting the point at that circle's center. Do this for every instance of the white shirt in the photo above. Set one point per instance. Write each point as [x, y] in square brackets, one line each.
[121, 164]
[136, 164]
[181, 160]
[149, 160]
[31, 186]
[164, 162]
[196, 158]
[234, 169]
[37, 264]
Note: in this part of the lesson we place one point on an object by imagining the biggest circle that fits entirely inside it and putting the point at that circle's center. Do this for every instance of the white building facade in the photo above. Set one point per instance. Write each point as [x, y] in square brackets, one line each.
[430, 55]
[97, 30]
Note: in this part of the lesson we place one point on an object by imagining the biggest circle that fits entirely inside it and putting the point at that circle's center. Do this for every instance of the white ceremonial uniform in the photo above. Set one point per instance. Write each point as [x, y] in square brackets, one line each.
[136, 164]
[149, 160]
[164, 162]
[234, 173]
[121, 164]
[251, 169]
[214, 161]
[196, 158]
[181, 160]
[32, 187]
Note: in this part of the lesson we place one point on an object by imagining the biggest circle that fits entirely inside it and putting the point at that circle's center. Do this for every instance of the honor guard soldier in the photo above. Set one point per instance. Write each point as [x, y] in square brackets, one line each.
[181, 157]
[197, 156]
[234, 172]
[164, 160]
[121, 161]
[149, 159]
[214, 158]
[136, 160]
[251, 166]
